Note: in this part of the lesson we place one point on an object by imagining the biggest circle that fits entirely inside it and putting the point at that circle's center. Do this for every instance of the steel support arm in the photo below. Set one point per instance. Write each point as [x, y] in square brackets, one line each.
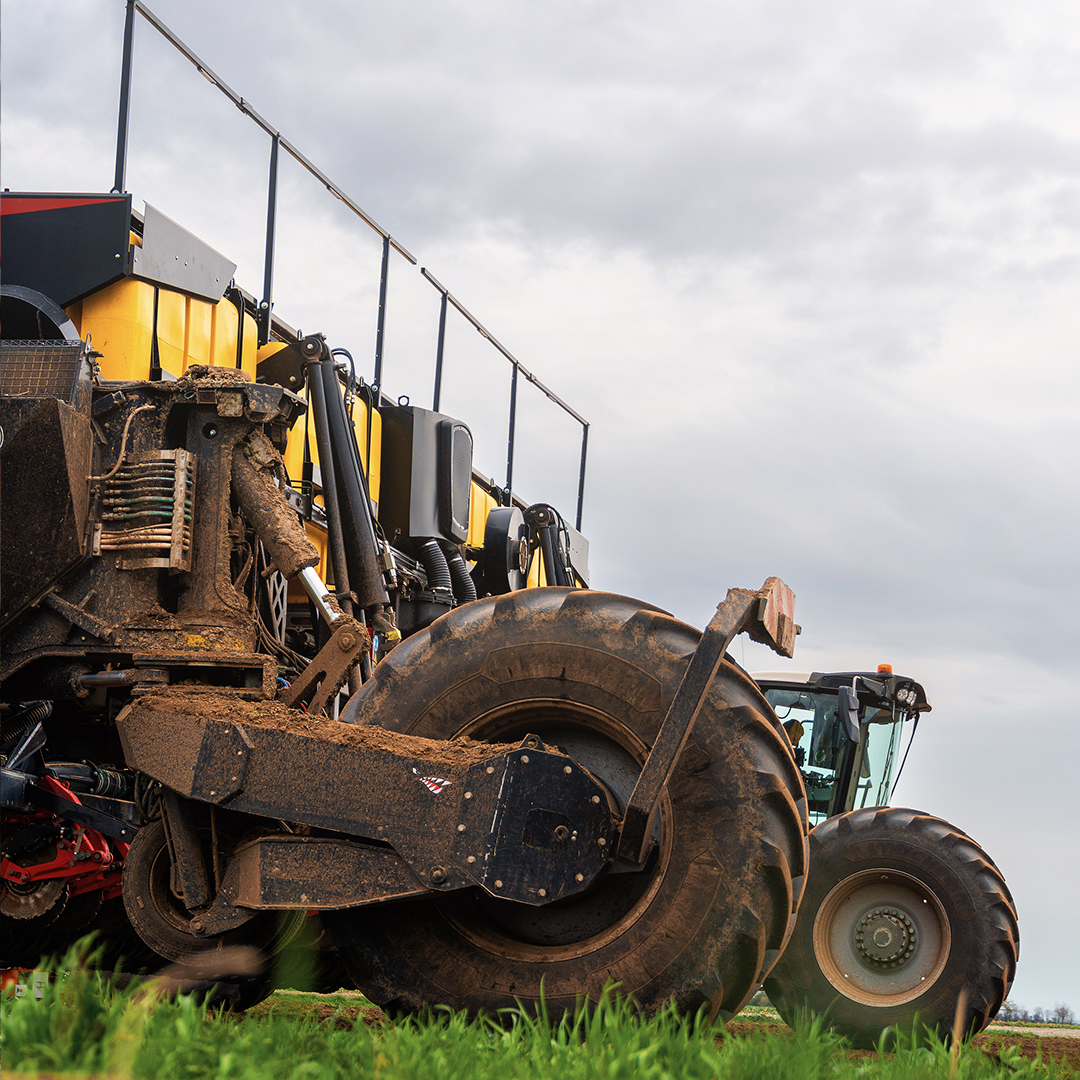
[767, 615]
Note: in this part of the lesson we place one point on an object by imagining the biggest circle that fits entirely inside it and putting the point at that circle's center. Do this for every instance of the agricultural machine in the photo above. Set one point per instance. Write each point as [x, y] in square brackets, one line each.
[201, 546]
[273, 648]
[904, 915]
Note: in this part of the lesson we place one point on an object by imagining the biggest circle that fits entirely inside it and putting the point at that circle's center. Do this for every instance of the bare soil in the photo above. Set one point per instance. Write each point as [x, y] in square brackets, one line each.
[1064, 1049]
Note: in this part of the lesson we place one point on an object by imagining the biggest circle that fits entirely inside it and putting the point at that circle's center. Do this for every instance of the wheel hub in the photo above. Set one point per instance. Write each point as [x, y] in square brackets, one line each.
[885, 937]
[882, 937]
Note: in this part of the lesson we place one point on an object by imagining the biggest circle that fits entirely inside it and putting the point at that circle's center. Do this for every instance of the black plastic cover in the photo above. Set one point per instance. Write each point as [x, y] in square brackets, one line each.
[65, 246]
[426, 475]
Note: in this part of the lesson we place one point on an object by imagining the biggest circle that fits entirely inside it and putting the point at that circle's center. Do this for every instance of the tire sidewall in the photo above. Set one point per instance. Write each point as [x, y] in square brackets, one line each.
[697, 920]
[838, 853]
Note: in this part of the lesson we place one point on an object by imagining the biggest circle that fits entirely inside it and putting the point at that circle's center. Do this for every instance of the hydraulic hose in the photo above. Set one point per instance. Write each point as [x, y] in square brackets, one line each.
[433, 560]
[464, 586]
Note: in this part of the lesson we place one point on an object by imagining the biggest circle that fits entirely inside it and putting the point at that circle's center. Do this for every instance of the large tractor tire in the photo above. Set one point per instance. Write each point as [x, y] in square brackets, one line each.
[905, 920]
[594, 674]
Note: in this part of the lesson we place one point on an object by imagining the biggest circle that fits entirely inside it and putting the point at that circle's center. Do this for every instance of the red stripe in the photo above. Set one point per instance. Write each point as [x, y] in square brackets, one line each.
[14, 204]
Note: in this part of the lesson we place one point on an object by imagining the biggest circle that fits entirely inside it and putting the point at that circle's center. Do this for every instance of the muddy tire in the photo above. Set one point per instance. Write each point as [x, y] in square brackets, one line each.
[593, 673]
[161, 920]
[902, 913]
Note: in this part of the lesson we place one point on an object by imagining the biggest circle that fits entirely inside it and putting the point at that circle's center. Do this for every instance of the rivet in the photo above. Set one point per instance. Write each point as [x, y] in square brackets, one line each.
[567, 770]
[596, 799]
[468, 794]
[498, 884]
[541, 892]
[579, 877]
[524, 759]
[602, 842]
[471, 859]
[490, 769]
[461, 828]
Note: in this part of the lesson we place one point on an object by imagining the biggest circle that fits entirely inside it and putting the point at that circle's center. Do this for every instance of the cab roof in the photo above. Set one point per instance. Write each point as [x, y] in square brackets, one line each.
[818, 680]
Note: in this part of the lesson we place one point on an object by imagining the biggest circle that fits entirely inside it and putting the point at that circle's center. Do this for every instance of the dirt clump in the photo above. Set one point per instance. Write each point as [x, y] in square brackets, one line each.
[459, 753]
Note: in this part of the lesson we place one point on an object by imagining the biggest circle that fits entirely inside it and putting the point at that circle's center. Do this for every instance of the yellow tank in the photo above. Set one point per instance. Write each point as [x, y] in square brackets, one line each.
[120, 320]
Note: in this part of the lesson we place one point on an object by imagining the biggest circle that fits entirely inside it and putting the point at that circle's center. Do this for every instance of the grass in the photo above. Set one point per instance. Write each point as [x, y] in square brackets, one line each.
[85, 1026]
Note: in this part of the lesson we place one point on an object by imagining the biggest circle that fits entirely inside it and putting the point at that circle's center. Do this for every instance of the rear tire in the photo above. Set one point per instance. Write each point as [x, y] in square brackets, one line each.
[902, 913]
[595, 674]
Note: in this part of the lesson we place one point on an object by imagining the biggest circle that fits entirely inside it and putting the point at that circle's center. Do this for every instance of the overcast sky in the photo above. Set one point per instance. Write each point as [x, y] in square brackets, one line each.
[810, 271]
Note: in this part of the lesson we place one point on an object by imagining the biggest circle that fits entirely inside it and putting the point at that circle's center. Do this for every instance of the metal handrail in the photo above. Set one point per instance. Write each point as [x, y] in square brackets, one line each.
[278, 141]
[245, 107]
[518, 366]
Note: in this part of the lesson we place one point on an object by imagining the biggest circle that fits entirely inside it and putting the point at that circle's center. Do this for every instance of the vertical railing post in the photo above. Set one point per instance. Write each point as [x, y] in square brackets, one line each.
[509, 490]
[581, 474]
[120, 176]
[380, 332]
[266, 304]
[439, 354]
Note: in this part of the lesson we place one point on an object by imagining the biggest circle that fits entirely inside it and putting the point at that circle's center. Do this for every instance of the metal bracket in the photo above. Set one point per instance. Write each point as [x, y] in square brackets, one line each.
[81, 815]
[330, 667]
[307, 872]
[76, 616]
[189, 879]
[768, 617]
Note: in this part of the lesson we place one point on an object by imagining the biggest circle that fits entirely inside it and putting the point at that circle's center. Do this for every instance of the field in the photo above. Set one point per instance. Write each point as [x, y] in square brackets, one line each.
[82, 1026]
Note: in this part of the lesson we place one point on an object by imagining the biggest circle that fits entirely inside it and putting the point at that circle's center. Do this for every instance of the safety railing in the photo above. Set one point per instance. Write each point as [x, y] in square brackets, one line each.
[278, 142]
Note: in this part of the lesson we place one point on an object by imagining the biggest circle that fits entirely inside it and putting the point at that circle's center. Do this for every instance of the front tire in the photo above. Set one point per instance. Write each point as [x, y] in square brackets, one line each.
[904, 915]
[595, 674]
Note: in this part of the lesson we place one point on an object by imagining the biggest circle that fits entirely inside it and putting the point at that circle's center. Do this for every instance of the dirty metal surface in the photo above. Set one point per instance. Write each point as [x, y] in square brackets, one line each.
[43, 498]
[508, 818]
[78, 583]
[305, 873]
[257, 469]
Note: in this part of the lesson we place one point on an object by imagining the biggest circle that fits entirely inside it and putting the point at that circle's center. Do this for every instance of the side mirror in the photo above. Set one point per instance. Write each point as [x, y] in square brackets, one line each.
[848, 706]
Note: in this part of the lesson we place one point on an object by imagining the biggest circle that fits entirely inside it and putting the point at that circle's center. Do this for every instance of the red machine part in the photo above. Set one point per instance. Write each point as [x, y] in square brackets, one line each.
[83, 856]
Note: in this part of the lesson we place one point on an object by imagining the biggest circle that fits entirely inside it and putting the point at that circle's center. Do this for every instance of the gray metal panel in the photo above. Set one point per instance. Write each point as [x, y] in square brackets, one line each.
[579, 553]
[170, 255]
